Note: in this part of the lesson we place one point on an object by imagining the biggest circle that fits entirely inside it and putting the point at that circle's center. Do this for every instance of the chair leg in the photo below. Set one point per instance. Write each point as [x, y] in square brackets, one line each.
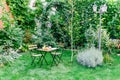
[53, 57]
[55, 60]
[41, 61]
[45, 58]
[33, 60]
[60, 58]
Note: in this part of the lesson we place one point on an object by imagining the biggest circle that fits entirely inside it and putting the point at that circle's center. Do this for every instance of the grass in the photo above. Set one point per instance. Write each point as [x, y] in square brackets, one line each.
[21, 69]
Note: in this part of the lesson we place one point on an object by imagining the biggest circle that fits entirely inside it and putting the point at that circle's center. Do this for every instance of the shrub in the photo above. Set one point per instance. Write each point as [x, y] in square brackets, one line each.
[90, 35]
[107, 58]
[90, 57]
[43, 37]
[82, 18]
[16, 35]
[107, 44]
[11, 37]
[8, 56]
[28, 36]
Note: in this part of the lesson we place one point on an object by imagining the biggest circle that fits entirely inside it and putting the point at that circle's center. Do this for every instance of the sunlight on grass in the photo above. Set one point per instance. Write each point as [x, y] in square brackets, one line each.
[53, 74]
[21, 69]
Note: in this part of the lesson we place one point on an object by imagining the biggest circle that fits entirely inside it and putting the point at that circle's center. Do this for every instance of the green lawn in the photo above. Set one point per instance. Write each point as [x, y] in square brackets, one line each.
[22, 70]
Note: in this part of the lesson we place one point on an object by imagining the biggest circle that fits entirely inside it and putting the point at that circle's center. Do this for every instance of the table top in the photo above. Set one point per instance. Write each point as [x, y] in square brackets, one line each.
[47, 50]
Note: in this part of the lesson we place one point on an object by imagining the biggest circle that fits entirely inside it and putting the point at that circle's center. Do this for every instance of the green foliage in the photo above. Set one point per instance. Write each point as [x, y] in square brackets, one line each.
[59, 21]
[43, 37]
[23, 15]
[83, 17]
[27, 36]
[112, 19]
[8, 56]
[5, 16]
[11, 37]
[90, 35]
[107, 44]
[107, 58]
[105, 40]
[16, 35]
[1, 49]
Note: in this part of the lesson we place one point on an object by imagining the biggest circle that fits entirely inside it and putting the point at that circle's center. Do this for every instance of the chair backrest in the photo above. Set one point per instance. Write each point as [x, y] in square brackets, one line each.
[59, 50]
[32, 47]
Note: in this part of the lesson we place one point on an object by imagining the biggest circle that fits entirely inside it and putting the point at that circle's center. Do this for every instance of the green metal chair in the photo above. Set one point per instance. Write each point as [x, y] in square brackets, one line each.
[57, 56]
[35, 57]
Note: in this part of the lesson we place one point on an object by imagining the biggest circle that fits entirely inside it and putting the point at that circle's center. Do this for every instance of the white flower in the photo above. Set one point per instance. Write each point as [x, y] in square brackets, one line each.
[52, 12]
[32, 4]
[49, 24]
[45, 4]
[53, 9]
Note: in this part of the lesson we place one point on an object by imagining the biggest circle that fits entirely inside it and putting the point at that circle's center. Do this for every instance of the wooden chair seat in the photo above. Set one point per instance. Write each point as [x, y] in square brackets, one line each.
[56, 53]
[32, 47]
[57, 56]
[37, 55]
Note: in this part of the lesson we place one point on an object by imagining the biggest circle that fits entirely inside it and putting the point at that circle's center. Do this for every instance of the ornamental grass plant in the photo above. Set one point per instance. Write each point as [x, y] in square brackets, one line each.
[90, 57]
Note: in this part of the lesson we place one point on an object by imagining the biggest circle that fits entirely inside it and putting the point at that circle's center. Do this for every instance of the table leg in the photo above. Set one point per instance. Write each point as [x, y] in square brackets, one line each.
[45, 58]
[40, 60]
[55, 60]
[33, 59]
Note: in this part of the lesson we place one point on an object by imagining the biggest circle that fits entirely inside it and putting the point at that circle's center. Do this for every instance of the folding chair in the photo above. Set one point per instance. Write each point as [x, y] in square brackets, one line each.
[57, 56]
[34, 55]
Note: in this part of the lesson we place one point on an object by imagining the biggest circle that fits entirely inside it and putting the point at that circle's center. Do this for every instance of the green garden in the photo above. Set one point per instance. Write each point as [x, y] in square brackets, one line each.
[60, 40]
